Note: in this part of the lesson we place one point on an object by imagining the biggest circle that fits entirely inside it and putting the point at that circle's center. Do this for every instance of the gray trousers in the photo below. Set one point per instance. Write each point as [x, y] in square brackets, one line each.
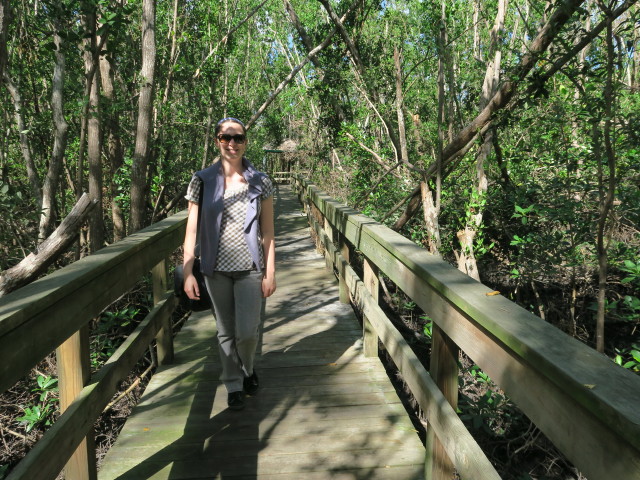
[237, 304]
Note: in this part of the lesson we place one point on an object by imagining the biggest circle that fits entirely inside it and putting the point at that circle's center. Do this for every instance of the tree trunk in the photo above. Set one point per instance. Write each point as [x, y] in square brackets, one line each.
[25, 147]
[606, 192]
[4, 24]
[115, 151]
[94, 139]
[475, 210]
[431, 214]
[207, 133]
[60, 128]
[308, 44]
[404, 154]
[56, 244]
[144, 131]
[371, 94]
[634, 67]
[168, 67]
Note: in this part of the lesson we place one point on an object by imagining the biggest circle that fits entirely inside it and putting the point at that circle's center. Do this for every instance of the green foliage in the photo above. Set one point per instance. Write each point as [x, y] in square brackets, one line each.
[122, 182]
[105, 340]
[628, 357]
[46, 386]
[40, 413]
[486, 411]
[428, 326]
[483, 413]
[632, 269]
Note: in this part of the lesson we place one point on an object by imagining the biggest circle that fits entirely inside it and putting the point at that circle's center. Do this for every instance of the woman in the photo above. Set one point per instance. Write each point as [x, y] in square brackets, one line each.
[237, 253]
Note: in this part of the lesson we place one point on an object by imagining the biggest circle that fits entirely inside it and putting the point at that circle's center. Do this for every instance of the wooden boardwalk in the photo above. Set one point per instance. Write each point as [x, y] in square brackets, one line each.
[323, 410]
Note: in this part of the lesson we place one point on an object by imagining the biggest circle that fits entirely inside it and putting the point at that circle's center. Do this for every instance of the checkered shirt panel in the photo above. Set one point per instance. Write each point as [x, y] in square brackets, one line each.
[233, 252]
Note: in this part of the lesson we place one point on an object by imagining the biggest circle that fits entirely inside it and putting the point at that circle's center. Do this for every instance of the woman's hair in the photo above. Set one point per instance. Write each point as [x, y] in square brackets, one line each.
[229, 119]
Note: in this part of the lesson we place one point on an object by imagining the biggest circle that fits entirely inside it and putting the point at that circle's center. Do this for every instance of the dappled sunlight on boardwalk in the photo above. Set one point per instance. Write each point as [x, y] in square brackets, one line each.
[323, 411]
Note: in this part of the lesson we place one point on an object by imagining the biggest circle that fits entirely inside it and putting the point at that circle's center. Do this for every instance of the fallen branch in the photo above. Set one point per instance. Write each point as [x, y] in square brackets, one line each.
[48, 251]
[15, 434]
[128, 390]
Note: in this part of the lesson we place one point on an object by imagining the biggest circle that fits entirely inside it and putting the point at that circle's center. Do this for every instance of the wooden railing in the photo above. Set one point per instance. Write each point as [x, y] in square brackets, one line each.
[53, 314]
[585, 404]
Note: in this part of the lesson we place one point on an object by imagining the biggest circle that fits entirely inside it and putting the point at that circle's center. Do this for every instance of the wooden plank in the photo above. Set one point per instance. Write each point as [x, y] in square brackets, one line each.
[345, 251]
[208, 465]
[444, 371]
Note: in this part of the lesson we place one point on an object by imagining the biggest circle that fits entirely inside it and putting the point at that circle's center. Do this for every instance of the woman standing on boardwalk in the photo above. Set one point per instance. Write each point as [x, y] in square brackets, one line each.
[237, 253]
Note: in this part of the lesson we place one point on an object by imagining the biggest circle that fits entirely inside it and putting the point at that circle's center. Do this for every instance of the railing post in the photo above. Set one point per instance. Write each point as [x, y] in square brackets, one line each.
[328, 228]
[164, 338]
[372, 284]
[444, 371]
[74, 372]
[345, 251]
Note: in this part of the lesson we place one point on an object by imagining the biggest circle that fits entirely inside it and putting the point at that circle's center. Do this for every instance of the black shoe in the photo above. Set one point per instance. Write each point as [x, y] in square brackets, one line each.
[235, 400]
[251, 384]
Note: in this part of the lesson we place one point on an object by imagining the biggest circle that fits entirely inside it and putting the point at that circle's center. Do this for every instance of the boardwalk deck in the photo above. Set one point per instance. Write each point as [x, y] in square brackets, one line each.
[323, 410]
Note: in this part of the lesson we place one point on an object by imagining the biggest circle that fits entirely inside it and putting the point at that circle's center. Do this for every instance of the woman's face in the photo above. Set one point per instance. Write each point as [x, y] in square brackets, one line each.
[230, 148]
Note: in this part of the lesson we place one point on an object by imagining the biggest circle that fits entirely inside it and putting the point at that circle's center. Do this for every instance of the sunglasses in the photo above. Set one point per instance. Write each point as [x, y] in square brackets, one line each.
[226, 138]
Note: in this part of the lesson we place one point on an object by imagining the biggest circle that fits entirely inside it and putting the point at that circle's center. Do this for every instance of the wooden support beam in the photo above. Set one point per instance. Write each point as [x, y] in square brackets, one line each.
[74, 373]
[372, 284]
[444, 371]
[345, 251]
[331, 236]
[164, 339]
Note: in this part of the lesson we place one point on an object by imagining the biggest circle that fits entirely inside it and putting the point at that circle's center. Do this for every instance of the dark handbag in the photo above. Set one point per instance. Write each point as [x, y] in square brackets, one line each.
[204, 303]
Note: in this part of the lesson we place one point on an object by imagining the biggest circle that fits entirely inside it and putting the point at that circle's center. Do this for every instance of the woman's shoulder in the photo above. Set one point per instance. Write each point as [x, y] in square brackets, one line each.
[267, 185]
[209, 172]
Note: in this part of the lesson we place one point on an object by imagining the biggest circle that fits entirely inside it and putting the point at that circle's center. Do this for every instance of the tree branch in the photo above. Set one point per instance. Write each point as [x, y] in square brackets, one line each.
[465, 138]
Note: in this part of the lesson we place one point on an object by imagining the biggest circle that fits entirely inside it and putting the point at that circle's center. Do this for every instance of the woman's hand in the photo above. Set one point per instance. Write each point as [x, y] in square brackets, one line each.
[268, 285]
[191, 287]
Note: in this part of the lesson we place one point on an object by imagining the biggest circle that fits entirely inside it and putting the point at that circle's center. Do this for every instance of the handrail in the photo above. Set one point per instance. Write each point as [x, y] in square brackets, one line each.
[583, 402]
[39, 317]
